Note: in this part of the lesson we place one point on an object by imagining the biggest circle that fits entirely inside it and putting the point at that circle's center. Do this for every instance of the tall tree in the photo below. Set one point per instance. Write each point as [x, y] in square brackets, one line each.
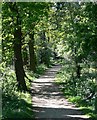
[32, 52]
[20, 74]
[34, 13]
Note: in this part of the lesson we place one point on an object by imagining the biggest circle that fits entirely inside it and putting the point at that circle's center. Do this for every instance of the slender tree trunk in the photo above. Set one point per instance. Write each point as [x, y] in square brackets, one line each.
[45, 53]
[32, 53]
[3, 53]
[96, 103]
[25, 56]
[20, 74]
[78, 68]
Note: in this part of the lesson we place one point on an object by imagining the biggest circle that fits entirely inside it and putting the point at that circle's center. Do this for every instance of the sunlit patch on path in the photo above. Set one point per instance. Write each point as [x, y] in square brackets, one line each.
[48, 100]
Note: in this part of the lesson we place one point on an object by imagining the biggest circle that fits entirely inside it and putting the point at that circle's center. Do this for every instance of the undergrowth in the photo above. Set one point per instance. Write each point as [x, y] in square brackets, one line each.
[76, 90]
[16, 104]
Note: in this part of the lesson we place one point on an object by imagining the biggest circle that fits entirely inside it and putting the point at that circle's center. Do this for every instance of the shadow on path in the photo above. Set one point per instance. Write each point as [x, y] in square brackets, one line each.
[58, 113]
[49, 102]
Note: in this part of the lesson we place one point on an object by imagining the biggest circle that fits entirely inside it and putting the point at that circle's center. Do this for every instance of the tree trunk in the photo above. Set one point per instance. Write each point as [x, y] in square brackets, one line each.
[25, 56]
[96, 97]
[3, 53]
[77, 61]
[96, 103]
[20, 74]
[32, 53]
[45, 52]
[78, 70]
[19, 65]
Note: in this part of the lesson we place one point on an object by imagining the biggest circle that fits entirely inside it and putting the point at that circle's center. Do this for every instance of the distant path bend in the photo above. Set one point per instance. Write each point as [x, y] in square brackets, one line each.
[49, 102]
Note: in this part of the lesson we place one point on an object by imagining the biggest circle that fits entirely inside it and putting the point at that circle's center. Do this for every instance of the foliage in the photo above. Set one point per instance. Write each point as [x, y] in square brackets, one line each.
[15, 102]
[41, 69]
[60, 30]
[77, 90]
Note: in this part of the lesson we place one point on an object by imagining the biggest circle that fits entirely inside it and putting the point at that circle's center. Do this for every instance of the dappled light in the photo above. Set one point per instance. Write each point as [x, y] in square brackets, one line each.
[17, 107]
[48, 62]
[48, 100]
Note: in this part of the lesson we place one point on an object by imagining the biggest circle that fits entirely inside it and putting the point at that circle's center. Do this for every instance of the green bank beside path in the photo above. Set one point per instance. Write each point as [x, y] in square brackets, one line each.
[78, 90]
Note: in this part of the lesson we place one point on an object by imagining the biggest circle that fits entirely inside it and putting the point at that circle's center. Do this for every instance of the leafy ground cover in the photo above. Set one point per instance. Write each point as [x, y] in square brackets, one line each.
[16, 104]
[78, 90]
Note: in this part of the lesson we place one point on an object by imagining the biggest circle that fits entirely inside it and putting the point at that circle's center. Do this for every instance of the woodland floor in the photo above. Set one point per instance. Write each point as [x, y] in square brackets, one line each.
[49, 102]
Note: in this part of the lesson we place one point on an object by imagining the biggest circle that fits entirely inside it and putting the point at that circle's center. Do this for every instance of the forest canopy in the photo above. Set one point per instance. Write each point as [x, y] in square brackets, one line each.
[36, 35]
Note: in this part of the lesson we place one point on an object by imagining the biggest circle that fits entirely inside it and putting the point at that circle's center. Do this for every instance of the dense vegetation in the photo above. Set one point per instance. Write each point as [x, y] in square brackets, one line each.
[36, 34]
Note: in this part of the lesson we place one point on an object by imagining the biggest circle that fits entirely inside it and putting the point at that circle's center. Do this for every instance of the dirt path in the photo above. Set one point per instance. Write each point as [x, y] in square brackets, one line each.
[49, 102]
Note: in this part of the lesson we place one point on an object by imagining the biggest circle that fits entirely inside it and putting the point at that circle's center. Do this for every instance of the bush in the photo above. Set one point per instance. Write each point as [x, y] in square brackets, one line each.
[15, 104]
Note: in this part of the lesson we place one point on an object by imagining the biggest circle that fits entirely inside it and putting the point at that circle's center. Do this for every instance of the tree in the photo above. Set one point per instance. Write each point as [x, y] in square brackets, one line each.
[34, 13]
[91, 11]
[32, 53]
[21, 24]
[17, 43]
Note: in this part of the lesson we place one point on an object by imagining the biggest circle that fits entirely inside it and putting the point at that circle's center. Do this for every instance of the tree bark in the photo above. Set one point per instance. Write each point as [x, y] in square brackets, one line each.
[96, 103]
[25, 56]
[78, 70]
[45, 52]
[78, 67]
[32, 53]
[3, 53]
[20, 74]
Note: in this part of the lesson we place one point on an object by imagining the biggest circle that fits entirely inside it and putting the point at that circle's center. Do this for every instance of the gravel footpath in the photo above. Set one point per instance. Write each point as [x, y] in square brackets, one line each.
[49, 102]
